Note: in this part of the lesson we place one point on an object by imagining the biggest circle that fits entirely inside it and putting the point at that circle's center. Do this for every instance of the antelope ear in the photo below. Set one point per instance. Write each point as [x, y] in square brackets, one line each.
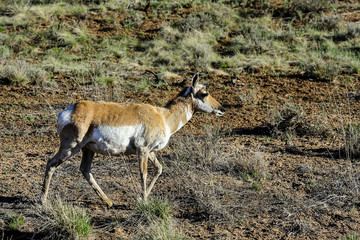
[189, 90]
[195, 80]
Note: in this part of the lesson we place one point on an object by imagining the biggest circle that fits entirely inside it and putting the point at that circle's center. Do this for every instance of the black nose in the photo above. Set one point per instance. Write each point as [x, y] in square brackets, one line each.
[222, 109]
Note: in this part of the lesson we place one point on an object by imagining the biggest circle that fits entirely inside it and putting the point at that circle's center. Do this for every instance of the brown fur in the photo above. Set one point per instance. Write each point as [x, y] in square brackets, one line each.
[176, 112]
[87, 113]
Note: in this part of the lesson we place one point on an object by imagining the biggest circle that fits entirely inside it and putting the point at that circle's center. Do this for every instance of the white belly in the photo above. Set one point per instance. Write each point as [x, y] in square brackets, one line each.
[115, 140]
[122, 140]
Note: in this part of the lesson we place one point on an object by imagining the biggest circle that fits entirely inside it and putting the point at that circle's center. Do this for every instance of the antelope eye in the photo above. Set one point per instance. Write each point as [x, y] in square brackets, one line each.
[203, 95]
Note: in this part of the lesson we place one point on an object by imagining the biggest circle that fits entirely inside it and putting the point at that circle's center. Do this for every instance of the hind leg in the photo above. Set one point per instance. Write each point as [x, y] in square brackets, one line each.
[85, 169]
[52, 164]
[68, 146]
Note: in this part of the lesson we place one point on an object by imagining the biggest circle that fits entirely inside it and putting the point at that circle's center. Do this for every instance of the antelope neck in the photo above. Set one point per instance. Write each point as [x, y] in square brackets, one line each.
[178, 113]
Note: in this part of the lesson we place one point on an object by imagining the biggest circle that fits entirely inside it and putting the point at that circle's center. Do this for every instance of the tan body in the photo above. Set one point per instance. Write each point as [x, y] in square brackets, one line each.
[115, 129]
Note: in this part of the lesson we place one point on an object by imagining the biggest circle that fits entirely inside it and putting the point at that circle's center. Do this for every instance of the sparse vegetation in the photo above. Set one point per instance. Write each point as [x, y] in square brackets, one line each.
[21, 73]
[195, 40]
[61, 220]
[351, 139]
[154, 209]
[159, 223]
[14, 221]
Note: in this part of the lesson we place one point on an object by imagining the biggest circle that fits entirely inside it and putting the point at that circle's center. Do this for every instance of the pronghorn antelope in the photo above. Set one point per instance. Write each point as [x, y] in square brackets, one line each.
[115, 129]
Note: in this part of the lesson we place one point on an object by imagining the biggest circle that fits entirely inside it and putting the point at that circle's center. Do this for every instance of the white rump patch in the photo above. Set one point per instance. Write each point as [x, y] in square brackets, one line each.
[64, 118]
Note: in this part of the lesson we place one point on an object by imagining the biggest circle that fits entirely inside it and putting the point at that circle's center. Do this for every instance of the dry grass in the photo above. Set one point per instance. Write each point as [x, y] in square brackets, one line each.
[350, 135]
[201, 163]
[156, 221]
[289, 121]
[21, 73]
[61, 220]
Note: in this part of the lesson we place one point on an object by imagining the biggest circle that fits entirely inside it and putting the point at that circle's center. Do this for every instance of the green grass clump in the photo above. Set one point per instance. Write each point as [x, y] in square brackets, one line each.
[64, 221]
[352, 236]
[14, 221]
[256, 186]
[154, 209]
[158, 221]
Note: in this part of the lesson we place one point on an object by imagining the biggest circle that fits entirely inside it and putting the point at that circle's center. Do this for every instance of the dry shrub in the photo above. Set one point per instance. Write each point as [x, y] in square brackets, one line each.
[320, 69]
[306, 6]
[347, 32]
[353, 30]
[21, 73]
[193, 162]
[198, 163]
[351, 140]
[289, 121]
[251, 163]
[202, 150]
[328, 22]
[207, 197]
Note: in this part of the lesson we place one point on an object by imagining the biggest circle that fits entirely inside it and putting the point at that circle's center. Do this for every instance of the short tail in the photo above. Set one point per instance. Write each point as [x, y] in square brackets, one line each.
[64, 118]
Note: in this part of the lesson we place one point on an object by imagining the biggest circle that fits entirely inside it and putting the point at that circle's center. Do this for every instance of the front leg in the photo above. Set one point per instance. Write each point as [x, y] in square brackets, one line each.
[158, 167]
[143, 155]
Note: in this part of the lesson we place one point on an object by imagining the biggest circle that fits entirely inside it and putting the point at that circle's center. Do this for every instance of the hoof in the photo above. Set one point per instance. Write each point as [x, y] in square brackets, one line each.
[43, 201]
[109, 204]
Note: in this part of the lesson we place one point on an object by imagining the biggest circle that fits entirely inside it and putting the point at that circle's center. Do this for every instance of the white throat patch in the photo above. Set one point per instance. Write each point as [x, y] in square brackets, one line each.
[204, 106]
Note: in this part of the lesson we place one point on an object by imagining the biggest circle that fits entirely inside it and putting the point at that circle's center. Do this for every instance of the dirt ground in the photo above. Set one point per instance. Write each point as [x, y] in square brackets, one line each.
[287, 207]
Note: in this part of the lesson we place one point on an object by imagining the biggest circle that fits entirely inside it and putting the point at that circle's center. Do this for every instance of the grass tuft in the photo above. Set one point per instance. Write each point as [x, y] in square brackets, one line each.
[14, 221]
[64, 221]
[159, 223]
[351, 139]
[154, 209]
[163, 231]
[21, 73]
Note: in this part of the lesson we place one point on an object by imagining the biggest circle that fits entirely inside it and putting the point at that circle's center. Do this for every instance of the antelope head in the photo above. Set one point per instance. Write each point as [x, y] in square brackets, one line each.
[203, 101]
